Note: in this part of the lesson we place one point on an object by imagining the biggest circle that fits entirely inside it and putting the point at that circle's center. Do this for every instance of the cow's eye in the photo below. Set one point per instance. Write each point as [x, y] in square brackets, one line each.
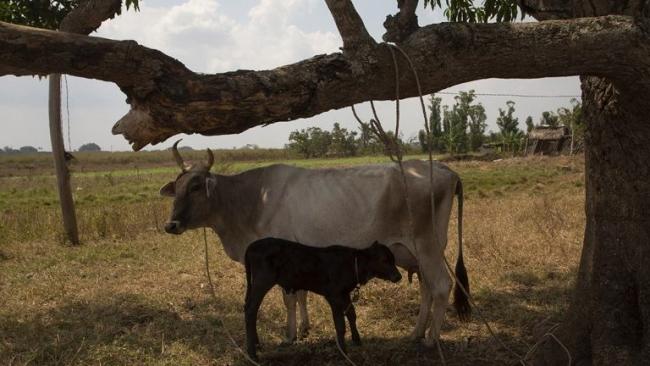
[195, 187]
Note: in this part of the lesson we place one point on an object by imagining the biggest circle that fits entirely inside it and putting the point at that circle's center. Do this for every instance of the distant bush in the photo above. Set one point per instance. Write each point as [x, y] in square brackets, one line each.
[91, 146]
[28, 149]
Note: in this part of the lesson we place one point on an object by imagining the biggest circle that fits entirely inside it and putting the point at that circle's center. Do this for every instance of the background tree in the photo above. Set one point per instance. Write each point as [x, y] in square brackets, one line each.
[529, 124]
[343, 142]
[91, 146]
[549, 119]
[435, 126]
[28, 150]
[368, 142]
[312, 142]
[511, 136]
[477, 126]
[572, 118]
[454, 137]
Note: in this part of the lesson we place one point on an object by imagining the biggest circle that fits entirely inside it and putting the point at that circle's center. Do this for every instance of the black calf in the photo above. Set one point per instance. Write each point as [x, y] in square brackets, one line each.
[332, 272]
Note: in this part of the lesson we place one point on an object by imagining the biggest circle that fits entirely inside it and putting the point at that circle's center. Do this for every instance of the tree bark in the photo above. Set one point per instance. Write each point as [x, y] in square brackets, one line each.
[166, 98]
[607, 322]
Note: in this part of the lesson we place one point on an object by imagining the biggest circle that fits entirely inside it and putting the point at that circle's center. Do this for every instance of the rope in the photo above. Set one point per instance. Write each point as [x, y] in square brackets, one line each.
[449, 269]
[431, 193]
[549, 333]
[214, 297]
[394, 152]
[347, 358]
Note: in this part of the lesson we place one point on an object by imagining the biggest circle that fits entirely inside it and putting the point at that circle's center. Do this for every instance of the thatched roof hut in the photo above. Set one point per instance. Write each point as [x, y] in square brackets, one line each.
[547, 140]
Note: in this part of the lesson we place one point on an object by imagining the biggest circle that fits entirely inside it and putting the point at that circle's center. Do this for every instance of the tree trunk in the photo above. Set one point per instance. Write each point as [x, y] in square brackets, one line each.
[605, 324]
[58, 153]
[608, 322]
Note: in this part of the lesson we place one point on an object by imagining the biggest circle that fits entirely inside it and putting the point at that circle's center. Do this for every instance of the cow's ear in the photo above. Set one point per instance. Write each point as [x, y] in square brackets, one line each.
[210, 185]
[168, 190]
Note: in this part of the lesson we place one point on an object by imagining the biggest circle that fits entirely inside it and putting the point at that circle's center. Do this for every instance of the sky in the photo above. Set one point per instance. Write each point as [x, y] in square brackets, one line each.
[212, 36]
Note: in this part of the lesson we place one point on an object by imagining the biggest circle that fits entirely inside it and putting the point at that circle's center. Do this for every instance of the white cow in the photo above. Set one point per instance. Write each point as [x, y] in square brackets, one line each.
[352, 207]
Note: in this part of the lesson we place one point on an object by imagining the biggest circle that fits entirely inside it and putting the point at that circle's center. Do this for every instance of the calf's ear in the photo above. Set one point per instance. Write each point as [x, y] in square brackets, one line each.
[168, 190]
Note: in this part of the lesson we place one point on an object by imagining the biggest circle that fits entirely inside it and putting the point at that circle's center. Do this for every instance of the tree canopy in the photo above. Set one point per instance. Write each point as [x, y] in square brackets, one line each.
[43, 13]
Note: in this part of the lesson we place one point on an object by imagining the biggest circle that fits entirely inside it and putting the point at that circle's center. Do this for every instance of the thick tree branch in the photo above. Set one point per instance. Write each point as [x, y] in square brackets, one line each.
[403, 24]
[88, 16]
[166, 98]
[350, 25]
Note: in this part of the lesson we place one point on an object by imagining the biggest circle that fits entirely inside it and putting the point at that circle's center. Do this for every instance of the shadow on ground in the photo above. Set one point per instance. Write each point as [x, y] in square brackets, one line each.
[128, 328]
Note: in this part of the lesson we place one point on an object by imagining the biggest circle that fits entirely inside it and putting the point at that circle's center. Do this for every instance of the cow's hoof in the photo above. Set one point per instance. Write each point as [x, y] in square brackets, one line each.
[416, 336]
[286, 341]
[429, 342]
[356, 341]
[303, 331]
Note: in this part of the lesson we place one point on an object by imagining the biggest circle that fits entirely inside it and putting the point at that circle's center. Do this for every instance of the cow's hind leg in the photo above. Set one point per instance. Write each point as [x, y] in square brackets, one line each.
[425, 308]
[304, 316]
[290, 303]
[440, 289]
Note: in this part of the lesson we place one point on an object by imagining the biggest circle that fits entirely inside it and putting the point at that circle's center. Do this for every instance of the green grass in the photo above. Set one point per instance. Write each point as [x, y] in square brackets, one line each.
[134, 295]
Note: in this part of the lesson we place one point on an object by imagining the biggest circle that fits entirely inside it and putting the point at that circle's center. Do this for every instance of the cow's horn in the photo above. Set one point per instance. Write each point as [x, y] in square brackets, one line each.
[177, 156]
[210, 159]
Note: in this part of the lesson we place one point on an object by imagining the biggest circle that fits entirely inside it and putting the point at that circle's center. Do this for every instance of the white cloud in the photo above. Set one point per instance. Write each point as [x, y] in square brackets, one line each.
[199, 34]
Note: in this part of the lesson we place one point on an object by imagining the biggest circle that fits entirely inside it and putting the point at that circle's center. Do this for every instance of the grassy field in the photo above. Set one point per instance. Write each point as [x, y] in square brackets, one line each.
[132, 294]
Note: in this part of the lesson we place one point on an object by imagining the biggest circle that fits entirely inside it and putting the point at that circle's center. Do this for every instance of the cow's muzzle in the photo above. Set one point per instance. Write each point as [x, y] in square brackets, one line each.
[174, 227]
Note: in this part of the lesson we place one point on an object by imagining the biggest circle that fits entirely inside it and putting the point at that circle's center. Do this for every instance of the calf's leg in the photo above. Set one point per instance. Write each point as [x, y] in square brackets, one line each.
[352, 319]
[338, 308]
[254, 299]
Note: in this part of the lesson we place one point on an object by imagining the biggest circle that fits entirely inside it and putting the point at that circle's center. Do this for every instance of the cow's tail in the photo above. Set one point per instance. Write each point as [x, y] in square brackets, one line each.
[461, 299]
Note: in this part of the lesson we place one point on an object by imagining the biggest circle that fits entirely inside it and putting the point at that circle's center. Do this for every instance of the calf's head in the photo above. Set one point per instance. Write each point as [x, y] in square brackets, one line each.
[380, 263]
[192, 192]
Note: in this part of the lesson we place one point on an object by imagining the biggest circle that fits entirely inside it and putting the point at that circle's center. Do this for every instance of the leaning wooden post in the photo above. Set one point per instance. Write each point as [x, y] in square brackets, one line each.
[58, 153]
[84, 19]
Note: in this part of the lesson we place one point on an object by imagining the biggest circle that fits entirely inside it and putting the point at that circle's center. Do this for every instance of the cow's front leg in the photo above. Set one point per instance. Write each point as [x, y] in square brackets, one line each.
[290, 303]
[304, 316]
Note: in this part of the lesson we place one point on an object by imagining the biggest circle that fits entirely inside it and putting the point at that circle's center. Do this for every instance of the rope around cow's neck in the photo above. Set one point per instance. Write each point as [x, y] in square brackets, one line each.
[214, 298]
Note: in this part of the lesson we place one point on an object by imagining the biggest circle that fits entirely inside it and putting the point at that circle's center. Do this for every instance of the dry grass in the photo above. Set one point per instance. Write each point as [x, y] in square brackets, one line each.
[133, 295]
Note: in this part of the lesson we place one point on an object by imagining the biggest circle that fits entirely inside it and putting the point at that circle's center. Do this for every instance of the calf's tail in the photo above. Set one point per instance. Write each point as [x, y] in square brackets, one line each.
[461, 300]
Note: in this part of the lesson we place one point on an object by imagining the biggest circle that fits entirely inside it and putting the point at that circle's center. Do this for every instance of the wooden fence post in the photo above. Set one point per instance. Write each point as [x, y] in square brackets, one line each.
[58, 151]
